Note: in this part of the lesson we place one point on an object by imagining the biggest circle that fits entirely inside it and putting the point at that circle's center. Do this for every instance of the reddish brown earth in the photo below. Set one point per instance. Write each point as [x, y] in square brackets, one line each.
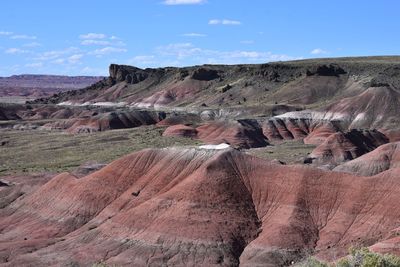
[114, 120]
[181, 130]
[13, 187]
[203, 207]
[312, 131]
[217, 207]
[240, 134]
[175, 119]
[340, 147]
[35, 86]
[381, 159]
[80, 119]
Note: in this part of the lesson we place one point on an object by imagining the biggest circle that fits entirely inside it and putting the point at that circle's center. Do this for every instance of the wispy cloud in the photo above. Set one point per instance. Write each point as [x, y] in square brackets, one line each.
[193, 34]
[74, 59]
[178, 50]
[178, 54]
[114, 41]
[107, 50]
[318, 51]
[34, 65]
[58, 61]
[33, 44]
[224, 22]
[16, 51]
[23, 36]
[55, 54]
[95, 42]
[5, 33]
[143, 60]
[183, 2]
[93, 36]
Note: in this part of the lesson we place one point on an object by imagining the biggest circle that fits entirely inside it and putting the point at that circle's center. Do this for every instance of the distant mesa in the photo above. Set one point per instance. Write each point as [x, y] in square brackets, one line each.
[37, 86]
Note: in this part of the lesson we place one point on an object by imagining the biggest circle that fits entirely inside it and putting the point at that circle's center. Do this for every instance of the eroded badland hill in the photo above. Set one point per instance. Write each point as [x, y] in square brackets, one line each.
[212, 165]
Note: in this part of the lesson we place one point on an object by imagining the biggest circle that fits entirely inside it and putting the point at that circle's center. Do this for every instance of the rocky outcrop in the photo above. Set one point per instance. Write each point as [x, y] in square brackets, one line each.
[326, 70]
[204, 74]
[129, 74]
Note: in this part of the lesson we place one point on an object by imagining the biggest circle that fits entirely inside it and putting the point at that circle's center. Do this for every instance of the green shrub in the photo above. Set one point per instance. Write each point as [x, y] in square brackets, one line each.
[312, 262]
[357, 258]
[365, 258]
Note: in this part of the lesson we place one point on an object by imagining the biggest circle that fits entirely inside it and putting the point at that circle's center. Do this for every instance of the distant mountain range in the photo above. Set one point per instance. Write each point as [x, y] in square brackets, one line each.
[34, 86]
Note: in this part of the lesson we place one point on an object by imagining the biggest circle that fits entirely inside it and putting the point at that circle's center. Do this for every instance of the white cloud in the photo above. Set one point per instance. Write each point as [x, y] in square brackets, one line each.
[178, 50]
[92, 36]
[5, 33]
[55, 54]
[224, 22]
[142, 60]
[183, 2]
[214, 21]
[74, 59]
[58, 61]
[193, 34]
[34, 65]
[107, 50]
[95, 42]
[318, 51]
[188, 54]
[114, 42]
[23, 36]
[33, 44]
[16, 51]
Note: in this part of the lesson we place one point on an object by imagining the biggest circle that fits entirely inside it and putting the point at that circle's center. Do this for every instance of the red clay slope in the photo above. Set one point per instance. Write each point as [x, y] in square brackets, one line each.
[341, 147]
[381, 159]
[198, 207]
[240, 134]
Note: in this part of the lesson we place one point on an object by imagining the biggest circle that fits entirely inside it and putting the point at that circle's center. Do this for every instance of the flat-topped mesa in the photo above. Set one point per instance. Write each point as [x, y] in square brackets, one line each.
[129, 74]
[306, 83]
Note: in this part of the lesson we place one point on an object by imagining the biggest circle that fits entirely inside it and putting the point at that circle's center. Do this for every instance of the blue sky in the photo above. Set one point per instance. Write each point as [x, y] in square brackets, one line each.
[78, 37]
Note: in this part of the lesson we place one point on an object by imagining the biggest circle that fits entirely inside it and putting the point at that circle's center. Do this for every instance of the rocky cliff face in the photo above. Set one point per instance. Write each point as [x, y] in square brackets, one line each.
[129, 74]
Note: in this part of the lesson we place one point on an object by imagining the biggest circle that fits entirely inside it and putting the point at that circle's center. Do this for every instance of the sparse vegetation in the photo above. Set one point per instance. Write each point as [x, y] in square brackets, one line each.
[362, 257]
[287, 151]
[43, 151]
